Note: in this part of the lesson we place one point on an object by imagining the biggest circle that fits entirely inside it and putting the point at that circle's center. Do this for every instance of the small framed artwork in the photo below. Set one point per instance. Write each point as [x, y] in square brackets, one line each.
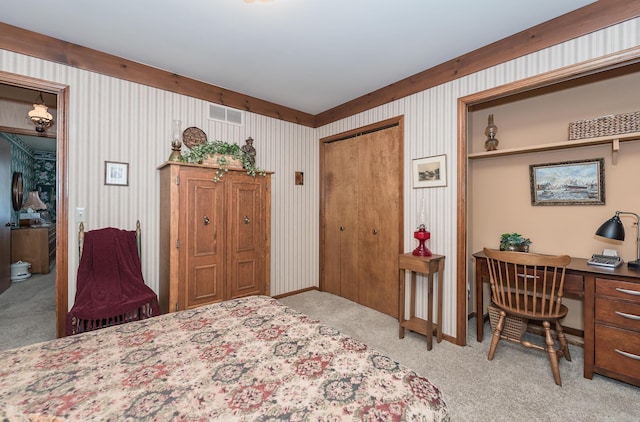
[579, 182]
[116, 173]
[430, 172]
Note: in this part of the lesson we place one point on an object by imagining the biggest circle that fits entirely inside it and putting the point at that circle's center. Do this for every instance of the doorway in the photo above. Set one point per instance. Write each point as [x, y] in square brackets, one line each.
[61, 185]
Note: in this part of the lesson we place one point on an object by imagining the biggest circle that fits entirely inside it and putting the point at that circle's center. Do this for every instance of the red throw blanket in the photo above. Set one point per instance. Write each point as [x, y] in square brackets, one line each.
[110, 288]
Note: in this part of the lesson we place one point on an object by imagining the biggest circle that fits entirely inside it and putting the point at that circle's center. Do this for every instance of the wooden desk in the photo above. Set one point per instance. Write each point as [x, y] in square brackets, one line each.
[429, 265]
[599, 287]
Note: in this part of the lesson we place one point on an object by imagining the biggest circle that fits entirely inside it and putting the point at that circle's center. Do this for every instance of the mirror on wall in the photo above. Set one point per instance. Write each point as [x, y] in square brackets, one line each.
[17, 190]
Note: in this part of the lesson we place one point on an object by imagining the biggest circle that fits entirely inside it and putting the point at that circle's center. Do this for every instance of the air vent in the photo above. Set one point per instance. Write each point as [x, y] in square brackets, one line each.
[225, 114]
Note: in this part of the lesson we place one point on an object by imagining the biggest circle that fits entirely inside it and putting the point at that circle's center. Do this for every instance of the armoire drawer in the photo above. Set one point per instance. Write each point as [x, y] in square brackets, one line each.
[619, 313]
[617, 350]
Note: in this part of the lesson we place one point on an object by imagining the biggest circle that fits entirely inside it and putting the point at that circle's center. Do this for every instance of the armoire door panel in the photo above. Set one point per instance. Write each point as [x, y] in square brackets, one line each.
[247, 274]
[246, 215]
[246, 240]
[203, 202]
[205, 219]
[206, 286]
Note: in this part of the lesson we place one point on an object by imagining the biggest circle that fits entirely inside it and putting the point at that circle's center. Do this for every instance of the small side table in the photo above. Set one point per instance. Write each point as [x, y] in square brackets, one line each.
[429, 265]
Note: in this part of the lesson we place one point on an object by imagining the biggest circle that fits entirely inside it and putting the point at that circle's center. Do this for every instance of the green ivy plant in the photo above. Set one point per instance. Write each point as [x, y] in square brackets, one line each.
[513, 239]
[208, 149]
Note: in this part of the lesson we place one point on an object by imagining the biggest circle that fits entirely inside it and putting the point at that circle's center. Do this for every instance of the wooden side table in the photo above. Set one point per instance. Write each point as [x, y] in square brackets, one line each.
[429, 265]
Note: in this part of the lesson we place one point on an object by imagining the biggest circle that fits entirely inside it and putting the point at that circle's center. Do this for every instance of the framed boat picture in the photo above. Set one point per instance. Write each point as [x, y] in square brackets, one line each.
[579, 182]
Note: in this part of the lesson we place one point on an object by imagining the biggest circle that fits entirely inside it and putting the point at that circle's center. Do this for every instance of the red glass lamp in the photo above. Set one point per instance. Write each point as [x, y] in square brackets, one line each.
[422, 235]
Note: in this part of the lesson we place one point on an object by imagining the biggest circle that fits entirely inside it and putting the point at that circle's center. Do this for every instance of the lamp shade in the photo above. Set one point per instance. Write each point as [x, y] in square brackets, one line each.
[612, 229]
[33, 201]
[40, 117]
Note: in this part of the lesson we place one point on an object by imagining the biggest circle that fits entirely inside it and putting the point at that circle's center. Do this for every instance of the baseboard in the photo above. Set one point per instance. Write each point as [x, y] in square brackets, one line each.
[574, 335]
[295, 292]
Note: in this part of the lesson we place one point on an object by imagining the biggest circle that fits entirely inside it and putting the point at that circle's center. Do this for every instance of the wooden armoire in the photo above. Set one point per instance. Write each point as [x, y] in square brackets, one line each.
[214, 236]
[361, 215]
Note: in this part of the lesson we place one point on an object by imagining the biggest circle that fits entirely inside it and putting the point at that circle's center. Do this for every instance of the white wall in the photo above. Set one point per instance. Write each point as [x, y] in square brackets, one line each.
[115, 120]
[110, 119]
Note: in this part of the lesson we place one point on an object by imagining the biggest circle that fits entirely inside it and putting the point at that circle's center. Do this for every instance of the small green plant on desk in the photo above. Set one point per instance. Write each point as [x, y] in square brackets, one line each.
[514, 242]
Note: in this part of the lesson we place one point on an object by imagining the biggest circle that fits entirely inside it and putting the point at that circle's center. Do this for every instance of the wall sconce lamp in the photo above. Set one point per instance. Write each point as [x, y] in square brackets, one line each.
[613, 229]
[40, 116]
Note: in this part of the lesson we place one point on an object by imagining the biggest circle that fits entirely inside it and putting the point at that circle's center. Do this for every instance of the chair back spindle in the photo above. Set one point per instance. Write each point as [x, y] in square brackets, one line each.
[527, 283]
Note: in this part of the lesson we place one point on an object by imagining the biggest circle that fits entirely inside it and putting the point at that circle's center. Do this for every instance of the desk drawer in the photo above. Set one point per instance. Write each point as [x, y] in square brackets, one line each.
[574, 284]
[608, 340]
[618, 289]
[619, 313]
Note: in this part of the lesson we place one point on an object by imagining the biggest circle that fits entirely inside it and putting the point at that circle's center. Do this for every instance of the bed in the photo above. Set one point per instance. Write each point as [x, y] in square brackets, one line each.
[245, 359]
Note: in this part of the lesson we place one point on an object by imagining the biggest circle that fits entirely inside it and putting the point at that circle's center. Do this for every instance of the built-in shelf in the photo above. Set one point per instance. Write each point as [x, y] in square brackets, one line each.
[614, 140]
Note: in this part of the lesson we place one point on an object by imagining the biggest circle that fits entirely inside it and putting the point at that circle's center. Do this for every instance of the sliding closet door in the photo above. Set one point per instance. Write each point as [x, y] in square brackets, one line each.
[340, 252]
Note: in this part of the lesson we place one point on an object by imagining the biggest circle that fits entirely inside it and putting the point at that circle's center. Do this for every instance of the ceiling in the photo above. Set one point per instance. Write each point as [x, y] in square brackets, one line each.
[309, 55]
[28, 97]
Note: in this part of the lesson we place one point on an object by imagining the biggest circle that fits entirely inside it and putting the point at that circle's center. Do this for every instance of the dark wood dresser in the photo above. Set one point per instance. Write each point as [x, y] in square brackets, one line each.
[36, 245]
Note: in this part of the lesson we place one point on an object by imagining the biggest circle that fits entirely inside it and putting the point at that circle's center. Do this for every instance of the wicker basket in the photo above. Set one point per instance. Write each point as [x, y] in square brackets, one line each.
[232, 163]
[615, 124]
[514, 327]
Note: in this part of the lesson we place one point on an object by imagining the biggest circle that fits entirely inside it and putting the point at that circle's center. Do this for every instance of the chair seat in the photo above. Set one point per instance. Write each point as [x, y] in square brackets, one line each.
[530, 312]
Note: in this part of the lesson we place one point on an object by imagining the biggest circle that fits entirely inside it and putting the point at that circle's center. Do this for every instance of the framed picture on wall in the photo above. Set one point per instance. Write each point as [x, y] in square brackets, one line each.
[579, 182]
[430, 172]
[116, 173]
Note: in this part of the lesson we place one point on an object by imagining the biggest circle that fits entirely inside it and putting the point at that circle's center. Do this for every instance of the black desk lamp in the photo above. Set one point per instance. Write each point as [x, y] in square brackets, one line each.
[613, 229]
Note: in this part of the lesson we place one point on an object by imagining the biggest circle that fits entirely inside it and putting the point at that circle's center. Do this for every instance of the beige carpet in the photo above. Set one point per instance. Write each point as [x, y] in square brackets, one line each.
[516, 386]
[28, 311]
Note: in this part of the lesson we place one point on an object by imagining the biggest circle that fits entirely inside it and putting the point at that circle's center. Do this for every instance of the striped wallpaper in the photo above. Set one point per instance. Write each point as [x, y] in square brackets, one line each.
[115, 120]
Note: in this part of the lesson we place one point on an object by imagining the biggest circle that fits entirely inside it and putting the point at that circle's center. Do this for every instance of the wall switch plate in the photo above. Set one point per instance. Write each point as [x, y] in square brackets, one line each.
[80, 215]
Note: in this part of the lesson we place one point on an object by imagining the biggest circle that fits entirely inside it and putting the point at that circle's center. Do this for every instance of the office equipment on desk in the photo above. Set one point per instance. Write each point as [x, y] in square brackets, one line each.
[605, 260]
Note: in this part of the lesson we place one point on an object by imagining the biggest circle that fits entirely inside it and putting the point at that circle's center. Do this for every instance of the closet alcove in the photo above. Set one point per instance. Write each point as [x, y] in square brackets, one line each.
[533, 117]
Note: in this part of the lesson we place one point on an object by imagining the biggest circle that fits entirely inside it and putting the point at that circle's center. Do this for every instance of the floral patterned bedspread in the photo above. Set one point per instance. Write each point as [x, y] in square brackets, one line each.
[245, 359]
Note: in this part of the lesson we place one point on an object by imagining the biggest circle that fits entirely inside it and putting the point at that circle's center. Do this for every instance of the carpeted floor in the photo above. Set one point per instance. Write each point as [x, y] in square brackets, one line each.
[516, 386]
[28, 311]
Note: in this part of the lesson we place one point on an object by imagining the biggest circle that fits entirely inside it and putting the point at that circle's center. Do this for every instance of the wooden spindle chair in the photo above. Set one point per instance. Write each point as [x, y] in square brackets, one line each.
[530, 286]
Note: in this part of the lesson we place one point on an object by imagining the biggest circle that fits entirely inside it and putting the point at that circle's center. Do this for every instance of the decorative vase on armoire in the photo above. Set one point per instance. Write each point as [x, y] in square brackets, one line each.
[214, 236]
